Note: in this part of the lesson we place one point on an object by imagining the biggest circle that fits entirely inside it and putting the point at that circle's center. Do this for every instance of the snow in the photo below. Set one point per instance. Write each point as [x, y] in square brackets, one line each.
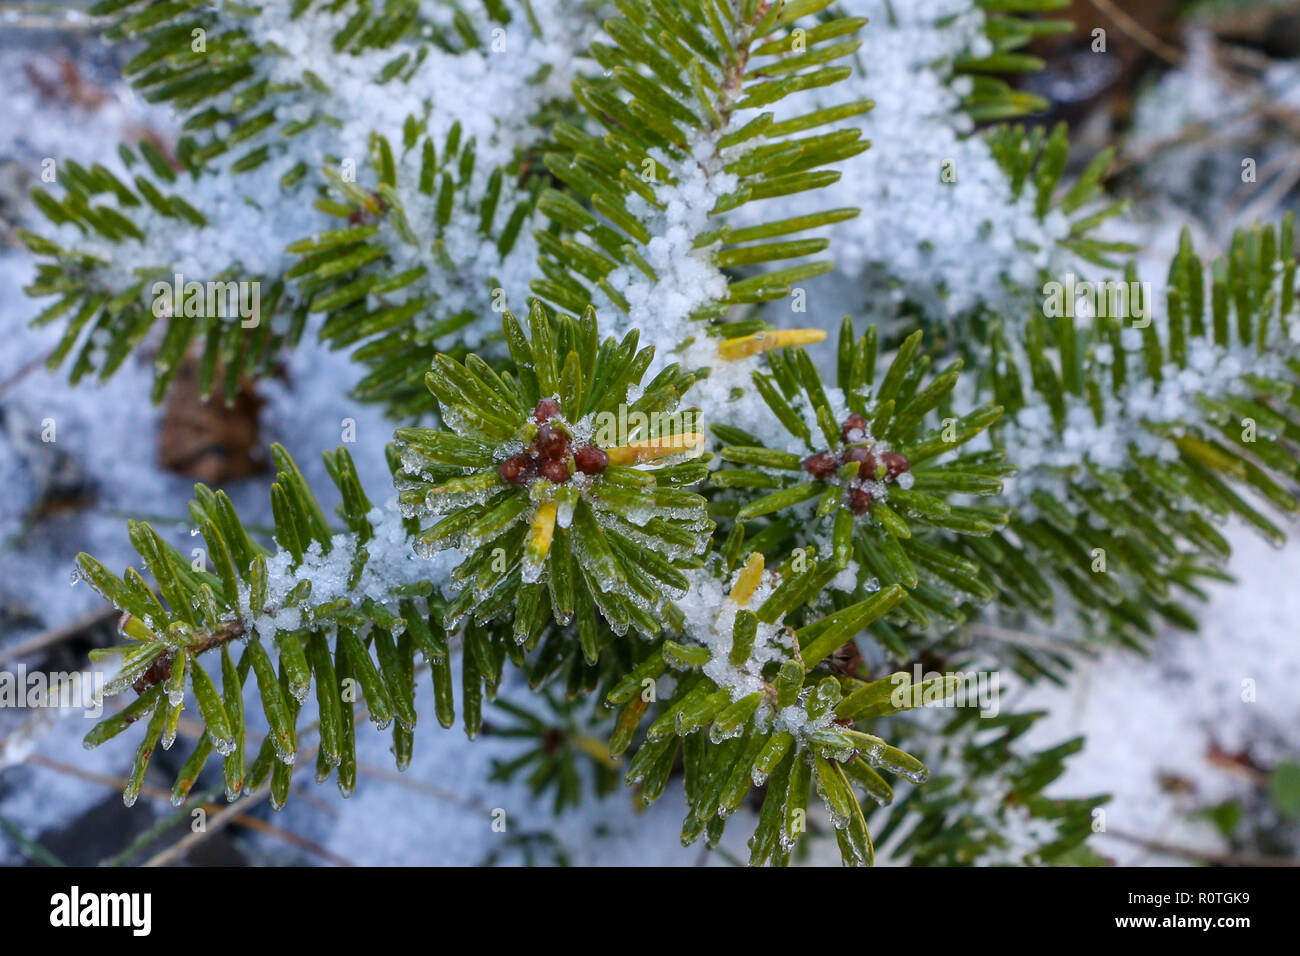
[490, 92]
[685, 278]
[1044, 456]
[1231, 687]
[947, 246]
[710, 617]
[391, 564]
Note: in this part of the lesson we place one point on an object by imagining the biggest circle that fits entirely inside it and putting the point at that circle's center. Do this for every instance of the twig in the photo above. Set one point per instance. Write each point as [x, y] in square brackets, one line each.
[45, 16]
[420, 786]
[1277, 191]
[215, 811]
[32, 849]
[230, 814]
[1240, 56]
[158, 830]
[58, 635]
[293, 839]
[216, 823]
[1140, 34]
[1036, 641]
[21, 373]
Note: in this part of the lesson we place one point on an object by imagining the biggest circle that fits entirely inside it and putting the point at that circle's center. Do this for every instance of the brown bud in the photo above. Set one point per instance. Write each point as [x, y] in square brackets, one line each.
[556, 471]
[847, 658]
[854, 428]
[895, 464]
[516, 470]
[865, 459]
[822, 465]
[591, 460]
[860, 501]
[546, 409]
[551, 443]
[157, 672]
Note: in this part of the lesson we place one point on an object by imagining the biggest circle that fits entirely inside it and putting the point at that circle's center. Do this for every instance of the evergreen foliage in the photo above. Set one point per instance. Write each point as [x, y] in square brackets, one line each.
[705, 553]
[1181, 422]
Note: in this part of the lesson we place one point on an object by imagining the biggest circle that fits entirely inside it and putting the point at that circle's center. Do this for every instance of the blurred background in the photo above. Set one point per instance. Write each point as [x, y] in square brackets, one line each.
[1197, 774]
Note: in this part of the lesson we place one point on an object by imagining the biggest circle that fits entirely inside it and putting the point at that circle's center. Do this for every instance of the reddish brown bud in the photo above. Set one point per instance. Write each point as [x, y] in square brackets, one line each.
[865, 459]
[551, 444]
[895, 464]
[157, 672]
[854, 428]
[822, 465]
[847, 658]
[591, 460]
[546, 409]
[516, 470]
[556, 472]
[860, 501]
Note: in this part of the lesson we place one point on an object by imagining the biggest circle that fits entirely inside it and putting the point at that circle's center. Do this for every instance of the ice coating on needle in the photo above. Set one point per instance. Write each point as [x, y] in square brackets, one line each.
[391, 563]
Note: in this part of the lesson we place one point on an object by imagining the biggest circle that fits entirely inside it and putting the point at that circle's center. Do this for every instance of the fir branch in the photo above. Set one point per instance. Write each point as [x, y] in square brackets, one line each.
[565, 489]
[984, 804]
[864, 475]
[688, 136]
[255, 112]
[1159, 427]
[555, 490]
[354, 589]
[415, 262]
[779, 710]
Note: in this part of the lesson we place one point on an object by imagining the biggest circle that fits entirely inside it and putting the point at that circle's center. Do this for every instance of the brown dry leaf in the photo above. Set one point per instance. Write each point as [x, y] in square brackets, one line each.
[68, 85]
[1173, 783]
[209, 440]
[1078, 80]
[1237, 764]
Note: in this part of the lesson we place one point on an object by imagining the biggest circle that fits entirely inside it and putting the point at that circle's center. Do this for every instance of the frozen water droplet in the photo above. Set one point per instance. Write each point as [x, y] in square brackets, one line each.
[531, 573]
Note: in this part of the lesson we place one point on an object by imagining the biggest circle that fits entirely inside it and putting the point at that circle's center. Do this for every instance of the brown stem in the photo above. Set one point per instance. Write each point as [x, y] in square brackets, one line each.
[224, 634]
